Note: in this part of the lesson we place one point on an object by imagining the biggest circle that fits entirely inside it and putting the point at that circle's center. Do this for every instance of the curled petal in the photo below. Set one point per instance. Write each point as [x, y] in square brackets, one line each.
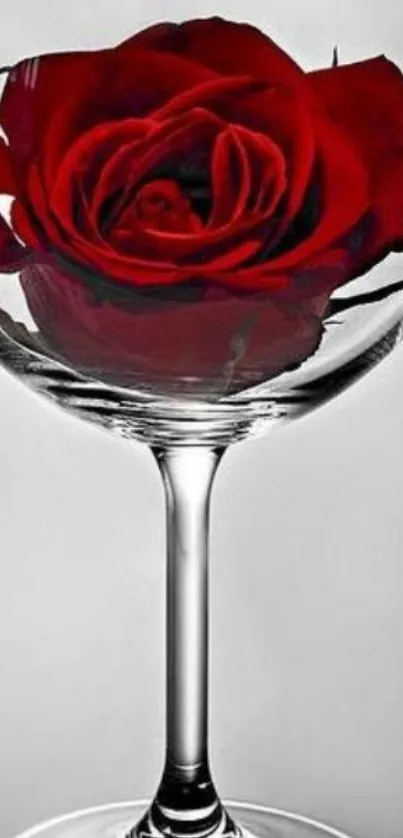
[248, 176]
[87, 155]
[268, 170]
[209, 94]
[231, 179]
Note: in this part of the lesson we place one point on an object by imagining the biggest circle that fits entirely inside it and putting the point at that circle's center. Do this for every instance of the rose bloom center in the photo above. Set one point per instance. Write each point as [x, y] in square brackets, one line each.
[163, 205]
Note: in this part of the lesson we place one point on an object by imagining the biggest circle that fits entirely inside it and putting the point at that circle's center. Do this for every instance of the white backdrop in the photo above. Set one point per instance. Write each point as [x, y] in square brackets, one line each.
[307, 553]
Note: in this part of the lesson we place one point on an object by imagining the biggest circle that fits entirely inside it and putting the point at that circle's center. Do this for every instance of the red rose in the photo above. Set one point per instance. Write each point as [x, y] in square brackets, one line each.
[186, 202]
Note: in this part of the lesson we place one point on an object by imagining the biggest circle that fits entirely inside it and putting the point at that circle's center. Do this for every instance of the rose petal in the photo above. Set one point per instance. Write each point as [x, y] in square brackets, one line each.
[282, 115]
[248, 176]
[268, 170]
[38, 202]
[224, 46]
[230, 177]
[366, 99]
[7, 177]
[211, 93]
[24, 225]
[90, 150]
[96, 256]
[387, 203]
[122, 86]
[84, 259]
[323, 272]
[13, 256]
[175, 136]
[76, 247]
[49, 99]
[343, 191]
[35, 89]
[216, 248]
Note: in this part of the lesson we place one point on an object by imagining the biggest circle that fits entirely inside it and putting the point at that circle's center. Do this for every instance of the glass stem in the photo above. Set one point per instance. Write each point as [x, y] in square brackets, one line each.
[186, 803]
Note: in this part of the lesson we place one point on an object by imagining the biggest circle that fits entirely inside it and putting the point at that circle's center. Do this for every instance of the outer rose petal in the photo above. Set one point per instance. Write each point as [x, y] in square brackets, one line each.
[388, 203]
[13, 256]
[25, 226]
[135, 341]
[34, 91]
[225, 46]
[7, 179]
[367, 100]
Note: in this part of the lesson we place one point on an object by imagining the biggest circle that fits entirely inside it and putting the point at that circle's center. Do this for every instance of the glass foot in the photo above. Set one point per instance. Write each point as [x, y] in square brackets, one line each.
[115, 821]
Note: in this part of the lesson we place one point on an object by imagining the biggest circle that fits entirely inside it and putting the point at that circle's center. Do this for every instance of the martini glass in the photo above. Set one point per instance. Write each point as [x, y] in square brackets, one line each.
[188, 373]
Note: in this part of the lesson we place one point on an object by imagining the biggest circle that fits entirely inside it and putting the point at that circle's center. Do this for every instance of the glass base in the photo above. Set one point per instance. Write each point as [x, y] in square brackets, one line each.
[116, 820]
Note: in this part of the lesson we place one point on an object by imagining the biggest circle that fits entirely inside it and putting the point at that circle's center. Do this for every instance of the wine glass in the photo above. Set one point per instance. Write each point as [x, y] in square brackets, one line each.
[188, 368]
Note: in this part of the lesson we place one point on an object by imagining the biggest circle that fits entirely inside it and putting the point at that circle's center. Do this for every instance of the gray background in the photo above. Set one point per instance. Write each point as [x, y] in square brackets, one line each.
[307, 543]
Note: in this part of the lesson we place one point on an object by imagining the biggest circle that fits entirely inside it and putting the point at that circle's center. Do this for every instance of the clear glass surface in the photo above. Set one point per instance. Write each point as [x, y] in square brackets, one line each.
[114, 822]
[362, 327]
